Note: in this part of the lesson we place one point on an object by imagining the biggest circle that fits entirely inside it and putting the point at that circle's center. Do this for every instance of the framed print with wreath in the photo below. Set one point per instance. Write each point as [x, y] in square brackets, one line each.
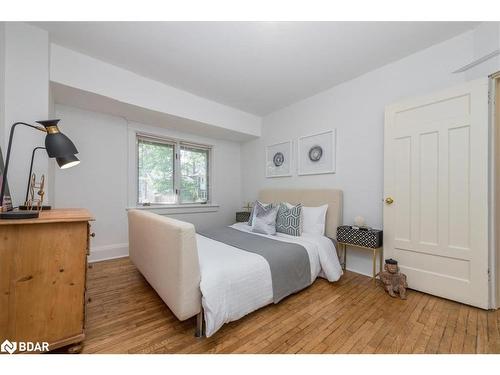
[279, 159]
[316, 153]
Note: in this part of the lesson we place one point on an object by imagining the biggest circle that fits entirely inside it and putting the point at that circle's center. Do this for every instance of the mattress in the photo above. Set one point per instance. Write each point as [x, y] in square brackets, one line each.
[235, 282]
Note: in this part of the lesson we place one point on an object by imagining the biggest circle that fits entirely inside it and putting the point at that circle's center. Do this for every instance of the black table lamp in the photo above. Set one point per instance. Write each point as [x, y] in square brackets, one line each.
[57, 145]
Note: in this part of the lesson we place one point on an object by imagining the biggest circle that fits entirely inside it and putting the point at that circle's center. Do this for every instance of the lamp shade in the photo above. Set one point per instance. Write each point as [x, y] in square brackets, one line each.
[57, 144]
[67, 161]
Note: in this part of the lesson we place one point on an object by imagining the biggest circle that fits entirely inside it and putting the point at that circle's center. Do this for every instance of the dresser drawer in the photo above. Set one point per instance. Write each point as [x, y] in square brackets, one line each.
[367, 238]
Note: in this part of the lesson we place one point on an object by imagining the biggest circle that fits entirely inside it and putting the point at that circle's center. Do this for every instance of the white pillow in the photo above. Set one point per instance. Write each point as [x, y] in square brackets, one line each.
[314, 219]
[252, 213]
[264, 219]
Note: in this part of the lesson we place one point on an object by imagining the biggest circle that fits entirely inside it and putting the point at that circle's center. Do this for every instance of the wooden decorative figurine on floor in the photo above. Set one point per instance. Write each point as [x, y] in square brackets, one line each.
[393, 280]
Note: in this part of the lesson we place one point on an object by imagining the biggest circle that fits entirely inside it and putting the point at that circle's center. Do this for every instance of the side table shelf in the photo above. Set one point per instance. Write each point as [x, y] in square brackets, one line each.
[374, 251]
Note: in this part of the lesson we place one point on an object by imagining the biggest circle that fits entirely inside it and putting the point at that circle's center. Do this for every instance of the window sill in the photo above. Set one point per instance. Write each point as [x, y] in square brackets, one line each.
[176, 209]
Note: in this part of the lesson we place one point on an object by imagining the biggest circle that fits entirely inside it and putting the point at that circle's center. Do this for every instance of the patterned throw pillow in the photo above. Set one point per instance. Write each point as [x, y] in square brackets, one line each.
[288, 219]
[252, 213]
[264, 221]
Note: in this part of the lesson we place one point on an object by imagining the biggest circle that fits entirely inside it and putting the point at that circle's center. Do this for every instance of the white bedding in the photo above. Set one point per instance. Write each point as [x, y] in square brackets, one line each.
[235, 282]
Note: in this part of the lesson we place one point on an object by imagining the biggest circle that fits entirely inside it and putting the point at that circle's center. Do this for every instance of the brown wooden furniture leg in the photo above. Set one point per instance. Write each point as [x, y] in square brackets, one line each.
[75, 348]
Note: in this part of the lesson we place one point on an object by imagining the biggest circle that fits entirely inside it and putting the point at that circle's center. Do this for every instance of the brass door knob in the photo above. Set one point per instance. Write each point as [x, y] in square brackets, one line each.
[389, 200]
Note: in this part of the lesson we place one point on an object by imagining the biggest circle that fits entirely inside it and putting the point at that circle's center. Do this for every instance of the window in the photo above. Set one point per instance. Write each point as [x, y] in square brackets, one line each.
[172, 172]
[194, 173]
[156, 171]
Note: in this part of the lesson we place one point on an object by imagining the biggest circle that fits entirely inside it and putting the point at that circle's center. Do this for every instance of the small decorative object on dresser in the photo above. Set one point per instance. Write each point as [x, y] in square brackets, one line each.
[34, 200]
[43, 264]
[393, 280]
[242, 216]
[362, 238]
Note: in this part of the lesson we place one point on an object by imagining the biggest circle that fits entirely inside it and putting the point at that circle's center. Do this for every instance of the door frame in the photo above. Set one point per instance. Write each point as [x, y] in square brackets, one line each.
[494, 196]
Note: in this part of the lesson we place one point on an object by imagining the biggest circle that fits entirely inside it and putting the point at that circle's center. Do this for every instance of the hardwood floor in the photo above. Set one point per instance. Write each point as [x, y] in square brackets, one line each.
[125, 315]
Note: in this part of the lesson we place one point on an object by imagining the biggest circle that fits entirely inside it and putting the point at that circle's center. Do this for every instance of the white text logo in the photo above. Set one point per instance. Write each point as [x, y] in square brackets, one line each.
[28, 346]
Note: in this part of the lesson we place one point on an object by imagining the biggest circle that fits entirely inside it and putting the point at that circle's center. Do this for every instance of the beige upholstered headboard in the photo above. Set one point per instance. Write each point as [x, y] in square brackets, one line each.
[311, 198]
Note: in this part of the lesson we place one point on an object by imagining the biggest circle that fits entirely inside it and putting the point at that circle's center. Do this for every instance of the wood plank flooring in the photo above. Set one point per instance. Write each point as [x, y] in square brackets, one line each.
[125, 315]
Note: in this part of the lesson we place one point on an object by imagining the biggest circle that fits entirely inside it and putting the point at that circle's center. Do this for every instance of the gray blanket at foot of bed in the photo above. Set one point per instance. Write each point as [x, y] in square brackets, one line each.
[289, 262]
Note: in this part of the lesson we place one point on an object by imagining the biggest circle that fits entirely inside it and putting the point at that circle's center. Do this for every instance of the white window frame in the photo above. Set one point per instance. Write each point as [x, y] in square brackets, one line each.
[158, 140]
[169, 208]
[178, 176]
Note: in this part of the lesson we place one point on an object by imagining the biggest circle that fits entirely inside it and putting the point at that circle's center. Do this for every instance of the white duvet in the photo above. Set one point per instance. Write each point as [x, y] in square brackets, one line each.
[235, 282]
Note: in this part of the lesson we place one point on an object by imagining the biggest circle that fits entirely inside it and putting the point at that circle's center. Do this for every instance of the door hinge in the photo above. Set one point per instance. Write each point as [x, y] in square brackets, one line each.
[176, 156]
[489, 274]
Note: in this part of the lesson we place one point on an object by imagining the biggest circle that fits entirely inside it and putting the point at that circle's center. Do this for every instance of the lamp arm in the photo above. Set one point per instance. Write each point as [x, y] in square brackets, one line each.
[7, 157]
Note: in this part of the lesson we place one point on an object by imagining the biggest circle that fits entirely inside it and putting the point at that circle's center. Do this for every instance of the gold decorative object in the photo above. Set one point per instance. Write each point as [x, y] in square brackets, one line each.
[35, 199]
[248, 206]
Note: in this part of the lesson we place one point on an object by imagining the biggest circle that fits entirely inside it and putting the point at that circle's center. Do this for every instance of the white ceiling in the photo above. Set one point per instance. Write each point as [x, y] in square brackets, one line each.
[258, 67]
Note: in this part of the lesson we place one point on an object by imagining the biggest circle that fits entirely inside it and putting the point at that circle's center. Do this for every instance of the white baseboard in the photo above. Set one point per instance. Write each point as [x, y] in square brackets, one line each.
[106, 252]
[359, 271]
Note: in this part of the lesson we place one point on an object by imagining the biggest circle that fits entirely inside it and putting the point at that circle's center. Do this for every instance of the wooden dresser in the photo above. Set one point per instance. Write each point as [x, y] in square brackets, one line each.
[43, 265]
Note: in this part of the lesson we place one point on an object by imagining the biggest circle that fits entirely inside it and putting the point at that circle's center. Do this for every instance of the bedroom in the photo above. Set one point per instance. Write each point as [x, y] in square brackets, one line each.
[250, 192]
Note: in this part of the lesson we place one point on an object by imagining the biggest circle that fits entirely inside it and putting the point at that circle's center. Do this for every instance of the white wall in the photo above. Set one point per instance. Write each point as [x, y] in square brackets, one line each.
[486, 39]
[2, 84]
[356, 110]
[83, 72]
[100, 181]
[26, 98]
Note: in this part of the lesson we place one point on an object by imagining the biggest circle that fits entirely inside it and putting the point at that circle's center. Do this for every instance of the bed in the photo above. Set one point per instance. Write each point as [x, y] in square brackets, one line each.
[218, 280]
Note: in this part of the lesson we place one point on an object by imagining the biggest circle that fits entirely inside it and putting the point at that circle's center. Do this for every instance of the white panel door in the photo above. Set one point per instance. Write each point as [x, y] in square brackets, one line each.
[436, 174]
